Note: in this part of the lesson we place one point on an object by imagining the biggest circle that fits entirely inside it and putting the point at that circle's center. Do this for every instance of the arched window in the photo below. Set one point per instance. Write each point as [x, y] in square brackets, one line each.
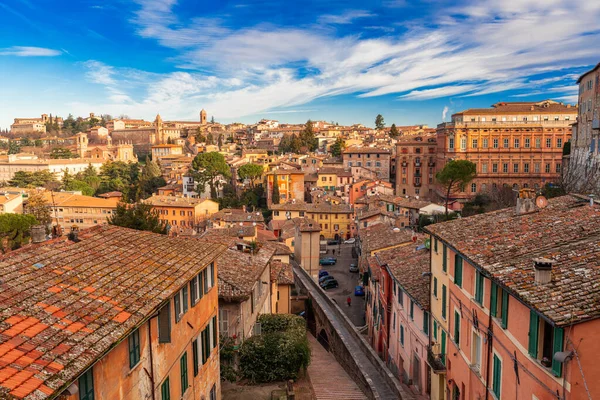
[515, 186]
[483, 187]
[473, 187]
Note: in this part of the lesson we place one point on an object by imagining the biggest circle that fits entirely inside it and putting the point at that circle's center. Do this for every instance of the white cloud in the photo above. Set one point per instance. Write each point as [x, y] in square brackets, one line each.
[444, 113]
[25, 51]
[496, 46]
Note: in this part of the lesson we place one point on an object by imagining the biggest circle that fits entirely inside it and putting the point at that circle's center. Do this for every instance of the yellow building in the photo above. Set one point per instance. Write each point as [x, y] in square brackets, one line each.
[335, 220]
[282, 281]
[75, 209]
[11, 203]
[162, 150]
[290, 183]
[182, 212]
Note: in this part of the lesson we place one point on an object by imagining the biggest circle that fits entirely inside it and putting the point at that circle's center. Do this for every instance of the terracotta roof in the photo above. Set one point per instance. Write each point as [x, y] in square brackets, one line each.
[264, 235]
[175, 201]
[312, 207]
[238, 215]
[308, 177]
[382, 235]
[400, 201]
[282, 273]
[334, 171]
[239, 271]
[64, 305]
[547, 106]
[111, 194]
[64, 199]
[407, 265]
[566, 231]
[365, 150]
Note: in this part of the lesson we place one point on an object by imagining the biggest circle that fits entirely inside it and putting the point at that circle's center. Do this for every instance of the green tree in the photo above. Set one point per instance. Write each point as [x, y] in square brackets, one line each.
[37, 206]
[15, 230]
[61, 153]
[150, 179]
[455, 175]
[207, 167]
[26, 142]
[337, 147]
[250, 171]
[275, 195]
[119, 176]
[26, 179]
[13, 147]
[394, 131]
[212, 119]
[379, 122]
[307, 137]
[38, 143]
[210, 139]
[220, 141]
[138, 216]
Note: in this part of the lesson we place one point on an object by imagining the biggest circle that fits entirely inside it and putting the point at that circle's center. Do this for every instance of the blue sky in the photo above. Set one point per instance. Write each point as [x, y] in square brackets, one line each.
[344, 61]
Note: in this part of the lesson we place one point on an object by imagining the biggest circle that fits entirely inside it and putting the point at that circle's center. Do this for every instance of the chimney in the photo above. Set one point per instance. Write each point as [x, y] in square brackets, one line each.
[526, 201]
[543, 270]
[38, 234]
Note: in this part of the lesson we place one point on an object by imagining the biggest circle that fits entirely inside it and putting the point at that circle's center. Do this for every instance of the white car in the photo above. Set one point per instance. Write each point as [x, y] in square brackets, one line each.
[350, 241]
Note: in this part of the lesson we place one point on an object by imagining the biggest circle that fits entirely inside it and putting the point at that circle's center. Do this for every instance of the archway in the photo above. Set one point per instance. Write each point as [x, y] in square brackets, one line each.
[336, 237]
[323, 339]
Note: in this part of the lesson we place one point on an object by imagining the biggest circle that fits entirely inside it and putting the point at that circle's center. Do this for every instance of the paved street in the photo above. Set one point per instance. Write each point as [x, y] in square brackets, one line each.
[347, 281]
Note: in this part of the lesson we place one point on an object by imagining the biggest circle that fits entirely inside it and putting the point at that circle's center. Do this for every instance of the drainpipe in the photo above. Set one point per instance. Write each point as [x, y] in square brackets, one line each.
[150, 356]
[490, 336]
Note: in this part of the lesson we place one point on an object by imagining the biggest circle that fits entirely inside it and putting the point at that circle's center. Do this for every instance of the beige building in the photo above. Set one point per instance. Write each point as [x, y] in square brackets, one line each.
[165, 150]
[372, 158]
[307, 245]
[282, 282]
[32, 125]
[414, 168]
[182, 212]
[68, 209]
[30, 163]
[11, 203]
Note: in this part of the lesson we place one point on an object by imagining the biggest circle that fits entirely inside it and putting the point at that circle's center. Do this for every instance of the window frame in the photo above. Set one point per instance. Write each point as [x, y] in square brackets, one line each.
[133, 342]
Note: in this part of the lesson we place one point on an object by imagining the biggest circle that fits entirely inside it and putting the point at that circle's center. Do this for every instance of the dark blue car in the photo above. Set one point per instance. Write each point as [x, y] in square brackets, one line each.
[327, 261]
[359, 291]
[323, 273]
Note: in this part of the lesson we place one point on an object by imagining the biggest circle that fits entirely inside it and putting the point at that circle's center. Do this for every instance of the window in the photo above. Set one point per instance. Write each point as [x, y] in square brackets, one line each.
[517, 143]
[558, 167]
[195, 358]
[499, 305]
[516, 168]
[394, 324]
[134, 348]
[484, 168]
[505, 167]
[412, 310]
[184, 373]
[548, 142]
[527, 143]
[164, 324]
[444, 258]
[426, 322]
[495, 143]
[538, 143]
[494, 167]
[497, 376]
[402, 335]
[547, 168]
[457, 328]
[213, 393]
[435, 285]
[400, 297]
[476, 352]
[451, 143]
[86, 385]
[474, 143]
[435, 244]
[473, 187]
[463, 143]
[165, 391]
[181, 303]
[559, 143]
[224, 322]
[526, 167]
[484, 143]
[505, 143]
[444, 301]
[458, 264]
[378, 164]
[536, 168]
[544, 341]
[479, 284]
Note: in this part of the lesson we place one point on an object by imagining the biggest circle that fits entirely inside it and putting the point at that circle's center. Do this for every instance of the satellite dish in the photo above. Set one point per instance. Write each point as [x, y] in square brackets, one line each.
[541, 202]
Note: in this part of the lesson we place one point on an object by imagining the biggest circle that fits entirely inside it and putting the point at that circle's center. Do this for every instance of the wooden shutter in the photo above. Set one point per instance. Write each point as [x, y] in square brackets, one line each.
[443, 352]
[164, 324]
[494, 300]
[444, 262]
[458, 270]
[195, 356]
[214, 324]
[193, 290]
[534, 325]
[177, 303]
[457, 328]
[201, 284]
[505, 297]
[205, 275]
[185, 299]
[557, 345]
[444, 301]
[497, 377]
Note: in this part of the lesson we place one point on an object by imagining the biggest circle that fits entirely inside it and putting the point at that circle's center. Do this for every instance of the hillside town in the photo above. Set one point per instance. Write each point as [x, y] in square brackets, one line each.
[153, 259]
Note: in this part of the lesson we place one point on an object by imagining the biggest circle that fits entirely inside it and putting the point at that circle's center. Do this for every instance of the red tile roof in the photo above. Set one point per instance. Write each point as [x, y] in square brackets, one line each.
[64, 305]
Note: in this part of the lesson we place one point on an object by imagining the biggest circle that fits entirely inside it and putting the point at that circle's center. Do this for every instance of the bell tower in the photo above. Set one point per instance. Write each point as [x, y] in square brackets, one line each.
[203, 117]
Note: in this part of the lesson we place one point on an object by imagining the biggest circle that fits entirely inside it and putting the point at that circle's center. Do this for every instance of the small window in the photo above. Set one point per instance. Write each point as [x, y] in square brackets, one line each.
[412, 310]
[457, 328]
[213, 393]
[184, 373]
[134, 348]
[165, 390]
[505, 143]
[164, 324]
[497, 376]
[402, 335]
[426, 322]
[86, 385]
[458, 267]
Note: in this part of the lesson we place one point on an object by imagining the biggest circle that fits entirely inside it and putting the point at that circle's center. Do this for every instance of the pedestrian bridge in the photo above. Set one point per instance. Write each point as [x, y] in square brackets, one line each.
[337, 334]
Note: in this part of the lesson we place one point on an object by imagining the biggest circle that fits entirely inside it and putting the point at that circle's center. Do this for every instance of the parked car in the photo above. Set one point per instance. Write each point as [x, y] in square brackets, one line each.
[323, 273]
[327, 261]
[330, 284]
[333, 242]
[359, 291]
[350, 241]
[326, 278]
[353, 268]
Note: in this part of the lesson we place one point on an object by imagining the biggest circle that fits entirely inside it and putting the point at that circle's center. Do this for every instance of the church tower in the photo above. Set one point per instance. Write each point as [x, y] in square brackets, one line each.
[158, 135]
[82, 144]
[203, 117]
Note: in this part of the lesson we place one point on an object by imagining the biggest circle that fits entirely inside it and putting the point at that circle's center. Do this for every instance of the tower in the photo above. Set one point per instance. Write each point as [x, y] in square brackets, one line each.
[158, 137]
[82, 144]
[203, 117]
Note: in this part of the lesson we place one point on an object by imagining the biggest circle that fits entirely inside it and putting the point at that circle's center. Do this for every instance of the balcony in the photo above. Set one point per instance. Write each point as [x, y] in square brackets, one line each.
[431, 164]
[436, 362]
[417, 163]
[417, 183]
[596, 123]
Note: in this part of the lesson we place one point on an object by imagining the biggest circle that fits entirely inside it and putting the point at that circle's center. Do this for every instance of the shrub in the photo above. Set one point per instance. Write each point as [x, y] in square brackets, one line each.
[279, 353]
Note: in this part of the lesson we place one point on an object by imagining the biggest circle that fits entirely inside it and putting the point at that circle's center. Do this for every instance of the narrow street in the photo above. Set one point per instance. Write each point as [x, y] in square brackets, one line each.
[347, 281]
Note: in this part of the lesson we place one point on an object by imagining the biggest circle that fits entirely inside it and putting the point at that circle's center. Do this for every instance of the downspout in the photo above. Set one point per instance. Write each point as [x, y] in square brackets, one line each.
[151, 374]
[490, 336]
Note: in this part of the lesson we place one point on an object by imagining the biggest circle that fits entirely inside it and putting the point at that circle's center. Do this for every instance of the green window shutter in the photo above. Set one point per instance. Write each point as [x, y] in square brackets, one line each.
[402, 335]
[195, 356]
[86, 385]
[215, 339]
[534, 324]
[435, 248]
[426, 322]
[134, 348]
[458, 270]
[444, 261]
[497, 377]
[435, 287]
[184, 374]
[412, 310]
[557, 345]
[505, 297]
[494, 300]
[444, 301]
[479, 282]
[165, 390]
[457, 328]
[435, 329]
[443, 346]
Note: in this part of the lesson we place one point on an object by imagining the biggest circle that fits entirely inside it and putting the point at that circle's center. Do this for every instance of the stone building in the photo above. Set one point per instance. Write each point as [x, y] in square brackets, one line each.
[32, 125]
[516, 145]
[583, 163]
[415, 165]
[372, 158]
